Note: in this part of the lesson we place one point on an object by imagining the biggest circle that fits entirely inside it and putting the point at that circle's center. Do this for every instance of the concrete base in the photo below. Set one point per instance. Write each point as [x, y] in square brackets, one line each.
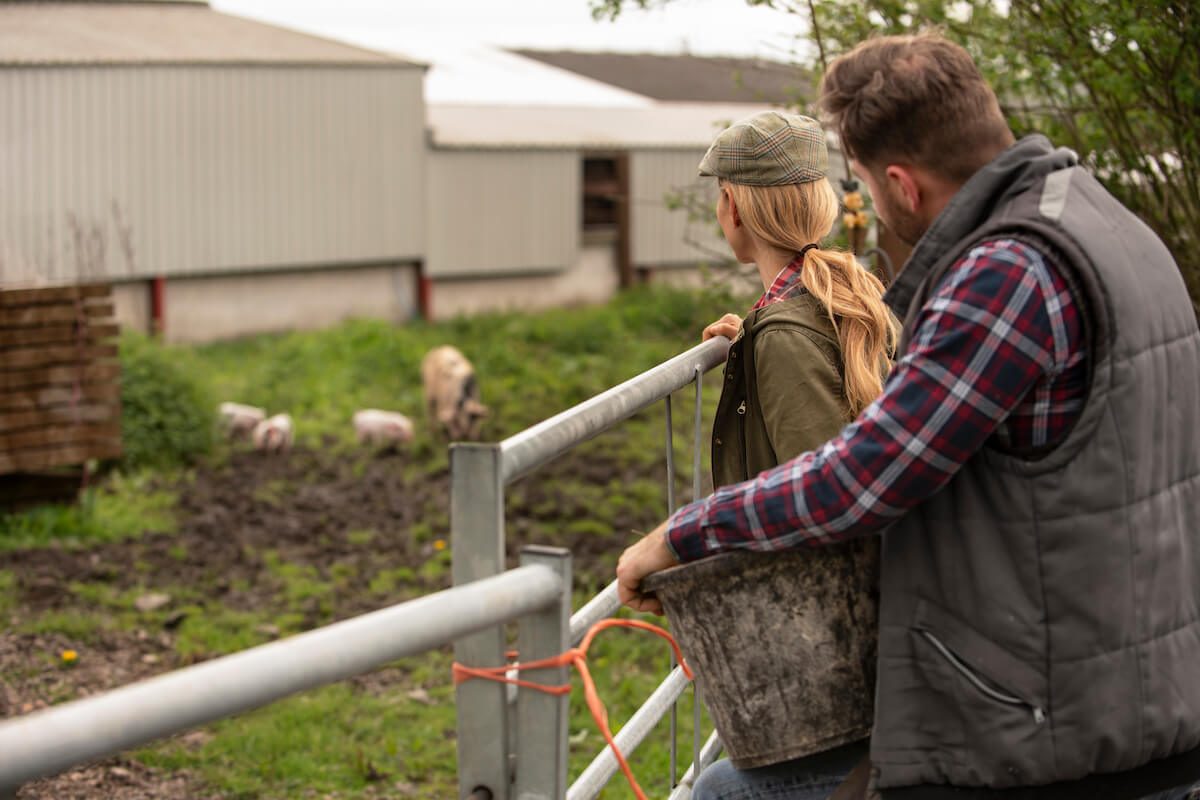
[131, 305]
[742, 280]
[205, 309]
[592, 279]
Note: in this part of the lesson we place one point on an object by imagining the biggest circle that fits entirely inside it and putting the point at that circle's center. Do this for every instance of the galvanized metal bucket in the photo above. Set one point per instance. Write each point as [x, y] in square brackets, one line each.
[782, 644]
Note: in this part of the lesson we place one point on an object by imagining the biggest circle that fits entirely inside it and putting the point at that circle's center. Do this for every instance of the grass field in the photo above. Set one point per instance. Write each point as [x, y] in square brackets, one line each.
[70, 578]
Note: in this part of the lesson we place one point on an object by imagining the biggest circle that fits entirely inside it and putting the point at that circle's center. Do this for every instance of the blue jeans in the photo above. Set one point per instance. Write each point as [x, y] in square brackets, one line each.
[809, 778]
[814, 778]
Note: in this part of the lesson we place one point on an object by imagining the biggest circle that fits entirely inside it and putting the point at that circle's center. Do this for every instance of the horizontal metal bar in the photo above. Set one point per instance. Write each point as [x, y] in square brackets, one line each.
[602, 606]
[550, 438]
[708, 754]
[52, 740]
[593, 779]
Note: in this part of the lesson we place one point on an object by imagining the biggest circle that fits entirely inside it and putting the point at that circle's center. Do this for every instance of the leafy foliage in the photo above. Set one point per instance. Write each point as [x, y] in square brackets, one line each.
[167, 414]
[1118, 82]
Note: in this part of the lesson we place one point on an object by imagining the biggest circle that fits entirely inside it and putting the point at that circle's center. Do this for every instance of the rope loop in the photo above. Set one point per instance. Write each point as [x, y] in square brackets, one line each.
[576, 656]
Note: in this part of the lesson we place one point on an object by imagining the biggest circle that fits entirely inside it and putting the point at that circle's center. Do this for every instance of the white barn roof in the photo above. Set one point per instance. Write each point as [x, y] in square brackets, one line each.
[666, 125]
[484, 75]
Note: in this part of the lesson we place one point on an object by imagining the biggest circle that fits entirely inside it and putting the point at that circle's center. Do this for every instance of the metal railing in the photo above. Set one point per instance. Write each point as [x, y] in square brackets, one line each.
[50, 741]
[490, 747]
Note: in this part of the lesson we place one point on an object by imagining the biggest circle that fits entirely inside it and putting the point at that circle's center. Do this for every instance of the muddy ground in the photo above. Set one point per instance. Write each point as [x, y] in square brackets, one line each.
[305, 507]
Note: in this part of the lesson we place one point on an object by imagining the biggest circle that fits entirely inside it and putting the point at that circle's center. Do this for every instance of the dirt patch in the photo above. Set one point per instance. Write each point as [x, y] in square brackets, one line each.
[117, 779]
[335, 515]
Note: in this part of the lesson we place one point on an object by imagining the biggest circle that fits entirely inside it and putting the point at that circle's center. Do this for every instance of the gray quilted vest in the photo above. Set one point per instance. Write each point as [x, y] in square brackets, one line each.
[1040, 614]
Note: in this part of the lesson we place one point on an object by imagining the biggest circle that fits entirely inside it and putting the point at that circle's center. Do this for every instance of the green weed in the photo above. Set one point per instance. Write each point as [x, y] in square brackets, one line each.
[8, 585]
[360, 537]
[386, 581]
[210, 630]
[80, 626]
[124, 507]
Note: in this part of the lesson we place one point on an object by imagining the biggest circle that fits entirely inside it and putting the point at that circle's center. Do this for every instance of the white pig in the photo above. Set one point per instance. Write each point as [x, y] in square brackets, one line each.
[239, 420]
[274, 434]
[382, 427]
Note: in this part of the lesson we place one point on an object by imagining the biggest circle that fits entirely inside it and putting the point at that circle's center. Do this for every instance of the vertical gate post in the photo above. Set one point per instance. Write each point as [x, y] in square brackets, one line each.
[543, 719]
[477, 550]
[673, 745]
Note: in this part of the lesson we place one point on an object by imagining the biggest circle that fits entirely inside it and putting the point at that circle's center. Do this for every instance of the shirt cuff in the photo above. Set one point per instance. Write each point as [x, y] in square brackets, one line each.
[685, 533]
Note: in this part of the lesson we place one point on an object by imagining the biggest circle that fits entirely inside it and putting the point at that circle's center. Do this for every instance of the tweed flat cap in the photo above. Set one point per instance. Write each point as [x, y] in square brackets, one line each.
[769, 149]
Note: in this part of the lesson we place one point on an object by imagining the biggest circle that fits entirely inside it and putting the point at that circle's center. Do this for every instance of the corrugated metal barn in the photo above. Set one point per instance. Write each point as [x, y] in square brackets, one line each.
[259, 179]
[534, 206]
[547, 205]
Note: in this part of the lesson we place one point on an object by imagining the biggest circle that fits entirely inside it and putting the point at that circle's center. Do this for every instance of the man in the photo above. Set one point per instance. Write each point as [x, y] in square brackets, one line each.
[1033, 463]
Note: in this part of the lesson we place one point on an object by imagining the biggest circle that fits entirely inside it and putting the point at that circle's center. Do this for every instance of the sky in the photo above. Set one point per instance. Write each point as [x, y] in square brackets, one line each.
[705, 27]
[460, 37]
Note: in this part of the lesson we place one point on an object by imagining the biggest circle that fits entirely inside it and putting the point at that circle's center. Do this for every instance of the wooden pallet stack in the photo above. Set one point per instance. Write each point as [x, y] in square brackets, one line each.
[60, 393]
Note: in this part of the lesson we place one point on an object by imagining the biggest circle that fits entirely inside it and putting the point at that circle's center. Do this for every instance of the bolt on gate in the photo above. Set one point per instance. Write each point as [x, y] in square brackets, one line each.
[490, 763]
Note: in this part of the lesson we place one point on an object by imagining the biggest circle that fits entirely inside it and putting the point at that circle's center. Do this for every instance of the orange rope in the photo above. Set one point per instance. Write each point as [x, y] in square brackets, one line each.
[578, 657]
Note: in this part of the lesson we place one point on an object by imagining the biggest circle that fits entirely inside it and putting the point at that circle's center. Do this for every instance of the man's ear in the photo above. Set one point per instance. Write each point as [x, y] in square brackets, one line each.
[903, 182]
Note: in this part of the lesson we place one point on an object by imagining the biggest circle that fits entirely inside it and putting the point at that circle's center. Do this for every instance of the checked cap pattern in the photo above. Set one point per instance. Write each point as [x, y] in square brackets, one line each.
[770, 148]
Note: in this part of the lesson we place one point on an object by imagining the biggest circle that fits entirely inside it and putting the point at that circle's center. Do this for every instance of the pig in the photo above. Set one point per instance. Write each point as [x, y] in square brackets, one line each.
[274, 434]
[239, 420]
[382, 427]
[452, 394]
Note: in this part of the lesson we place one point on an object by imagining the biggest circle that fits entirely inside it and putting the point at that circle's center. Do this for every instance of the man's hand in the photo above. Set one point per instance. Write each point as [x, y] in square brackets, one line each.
[648, 555]
[727, 326]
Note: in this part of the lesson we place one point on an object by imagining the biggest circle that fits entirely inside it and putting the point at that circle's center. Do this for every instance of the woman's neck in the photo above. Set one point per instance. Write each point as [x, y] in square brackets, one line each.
[770, 262]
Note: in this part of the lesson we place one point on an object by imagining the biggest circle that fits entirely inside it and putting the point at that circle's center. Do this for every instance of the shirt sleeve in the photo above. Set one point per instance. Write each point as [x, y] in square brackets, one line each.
[990, 331]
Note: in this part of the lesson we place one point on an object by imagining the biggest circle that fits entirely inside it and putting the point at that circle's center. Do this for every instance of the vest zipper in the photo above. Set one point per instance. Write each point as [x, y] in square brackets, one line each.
[1039, 714]
[742, 408]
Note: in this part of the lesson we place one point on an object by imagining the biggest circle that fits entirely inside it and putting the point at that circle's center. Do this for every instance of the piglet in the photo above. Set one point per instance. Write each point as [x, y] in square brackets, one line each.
[274, 434]
[239, 420]
[376, 427]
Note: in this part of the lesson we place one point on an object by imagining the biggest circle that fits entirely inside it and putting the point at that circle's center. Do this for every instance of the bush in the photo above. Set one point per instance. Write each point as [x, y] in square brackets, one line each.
[167, 416]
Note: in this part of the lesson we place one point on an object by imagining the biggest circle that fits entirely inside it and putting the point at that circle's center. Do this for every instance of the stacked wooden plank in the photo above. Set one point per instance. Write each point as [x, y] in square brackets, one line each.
[60, 394]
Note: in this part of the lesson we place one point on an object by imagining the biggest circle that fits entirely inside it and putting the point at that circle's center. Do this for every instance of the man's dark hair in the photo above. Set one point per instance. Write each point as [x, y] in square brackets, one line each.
[916, 99]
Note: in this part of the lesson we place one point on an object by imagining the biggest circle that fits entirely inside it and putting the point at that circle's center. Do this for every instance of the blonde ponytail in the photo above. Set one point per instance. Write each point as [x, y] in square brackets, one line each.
[789, 217]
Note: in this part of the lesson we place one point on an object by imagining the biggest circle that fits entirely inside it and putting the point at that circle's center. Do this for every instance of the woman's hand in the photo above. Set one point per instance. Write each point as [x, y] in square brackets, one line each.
[727, 326]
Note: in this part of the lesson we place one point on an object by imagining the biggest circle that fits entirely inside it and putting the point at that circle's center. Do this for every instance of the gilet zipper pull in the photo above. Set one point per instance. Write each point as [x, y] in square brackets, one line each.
[742, 408]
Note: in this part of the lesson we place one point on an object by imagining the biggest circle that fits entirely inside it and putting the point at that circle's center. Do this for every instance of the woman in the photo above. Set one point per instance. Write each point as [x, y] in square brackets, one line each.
[813, 351]
[809, 356]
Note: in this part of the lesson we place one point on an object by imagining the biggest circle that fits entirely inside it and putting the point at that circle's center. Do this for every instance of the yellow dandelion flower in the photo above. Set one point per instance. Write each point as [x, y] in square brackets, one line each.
[439, 544]
[68, 656]
[849, 219]
[853, 201]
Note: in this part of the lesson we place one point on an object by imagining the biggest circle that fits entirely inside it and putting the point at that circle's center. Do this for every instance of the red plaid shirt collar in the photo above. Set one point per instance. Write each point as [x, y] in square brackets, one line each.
[786, 284]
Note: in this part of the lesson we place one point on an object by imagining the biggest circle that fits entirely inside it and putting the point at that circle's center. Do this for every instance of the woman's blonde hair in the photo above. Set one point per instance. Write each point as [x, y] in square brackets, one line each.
[791, 216]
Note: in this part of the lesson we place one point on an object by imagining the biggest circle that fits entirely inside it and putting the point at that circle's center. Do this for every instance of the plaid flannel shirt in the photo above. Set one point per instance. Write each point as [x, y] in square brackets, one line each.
[997, 354]
[786, 284]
